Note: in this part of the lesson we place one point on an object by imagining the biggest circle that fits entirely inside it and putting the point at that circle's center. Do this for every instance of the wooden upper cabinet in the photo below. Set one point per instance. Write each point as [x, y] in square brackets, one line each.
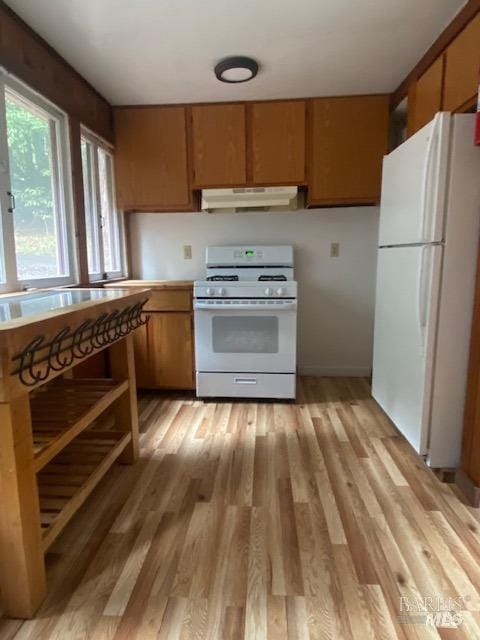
[349, 137]
[427, 98]
[219, 145]
[277, 138]
[151, 158]
[462, 68]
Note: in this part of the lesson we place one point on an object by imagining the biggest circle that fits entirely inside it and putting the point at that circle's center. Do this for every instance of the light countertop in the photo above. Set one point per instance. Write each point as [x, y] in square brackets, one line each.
[25, 308]
[186, 285]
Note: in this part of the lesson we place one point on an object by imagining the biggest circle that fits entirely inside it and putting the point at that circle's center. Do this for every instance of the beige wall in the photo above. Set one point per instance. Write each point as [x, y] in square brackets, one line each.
[336, 295]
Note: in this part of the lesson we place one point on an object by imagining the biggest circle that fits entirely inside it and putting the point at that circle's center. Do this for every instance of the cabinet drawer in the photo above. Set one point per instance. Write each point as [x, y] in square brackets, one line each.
[169, 301]
[245, 385]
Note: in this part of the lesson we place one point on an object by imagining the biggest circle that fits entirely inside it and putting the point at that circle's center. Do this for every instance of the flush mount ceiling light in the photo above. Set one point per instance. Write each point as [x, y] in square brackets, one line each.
[236, 69]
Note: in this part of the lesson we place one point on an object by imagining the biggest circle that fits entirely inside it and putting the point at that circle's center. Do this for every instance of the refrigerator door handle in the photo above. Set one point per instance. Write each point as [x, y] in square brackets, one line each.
[426, 179]
[422, 297]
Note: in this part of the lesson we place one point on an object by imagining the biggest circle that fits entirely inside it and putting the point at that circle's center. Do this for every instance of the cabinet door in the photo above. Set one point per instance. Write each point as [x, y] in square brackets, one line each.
[143, 368]
[164, 352]
[277, 142]
[462, 68]
[219, 145]
[93, 367]
[349, 139]
[151, 158]
[427, 98]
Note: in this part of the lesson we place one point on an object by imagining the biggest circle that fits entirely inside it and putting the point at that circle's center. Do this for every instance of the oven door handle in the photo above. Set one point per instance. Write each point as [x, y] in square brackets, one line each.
[284, 306]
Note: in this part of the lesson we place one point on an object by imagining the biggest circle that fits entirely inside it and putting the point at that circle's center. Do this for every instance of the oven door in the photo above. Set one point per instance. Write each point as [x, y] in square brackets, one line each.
[251, 336]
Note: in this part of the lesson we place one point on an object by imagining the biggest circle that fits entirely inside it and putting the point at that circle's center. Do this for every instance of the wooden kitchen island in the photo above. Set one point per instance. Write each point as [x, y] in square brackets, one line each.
[59, 434]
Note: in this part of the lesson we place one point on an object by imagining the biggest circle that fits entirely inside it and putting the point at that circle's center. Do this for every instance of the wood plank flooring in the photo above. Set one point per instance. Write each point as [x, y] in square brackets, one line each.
[263, 521]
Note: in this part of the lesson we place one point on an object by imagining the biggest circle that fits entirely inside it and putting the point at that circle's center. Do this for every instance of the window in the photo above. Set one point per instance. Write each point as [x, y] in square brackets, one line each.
[35, 191]
[91, 214]
[103, 223]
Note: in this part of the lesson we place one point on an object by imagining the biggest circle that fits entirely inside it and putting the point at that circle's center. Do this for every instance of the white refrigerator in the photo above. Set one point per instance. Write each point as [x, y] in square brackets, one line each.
[428, 244]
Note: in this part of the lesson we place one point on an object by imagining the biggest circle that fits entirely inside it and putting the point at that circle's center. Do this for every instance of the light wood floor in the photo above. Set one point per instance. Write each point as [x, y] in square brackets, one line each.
[266, 520]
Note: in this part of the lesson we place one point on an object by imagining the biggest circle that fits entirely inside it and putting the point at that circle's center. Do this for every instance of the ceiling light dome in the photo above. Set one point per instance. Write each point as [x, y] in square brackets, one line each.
[236, 69]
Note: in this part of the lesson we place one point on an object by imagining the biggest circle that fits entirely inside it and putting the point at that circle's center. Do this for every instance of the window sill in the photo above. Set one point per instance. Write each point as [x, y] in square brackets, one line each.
[100, 283]
[91, 285]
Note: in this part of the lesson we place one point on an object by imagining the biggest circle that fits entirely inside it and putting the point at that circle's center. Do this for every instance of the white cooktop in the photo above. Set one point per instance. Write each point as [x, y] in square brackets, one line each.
[205, 289]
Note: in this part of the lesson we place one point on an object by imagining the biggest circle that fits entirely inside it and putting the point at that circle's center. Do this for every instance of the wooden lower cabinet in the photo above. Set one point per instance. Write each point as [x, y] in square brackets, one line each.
[164, 351]
[164, 347]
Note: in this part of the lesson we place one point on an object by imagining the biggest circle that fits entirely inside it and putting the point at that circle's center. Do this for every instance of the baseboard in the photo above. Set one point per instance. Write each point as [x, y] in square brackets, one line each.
[337, 372]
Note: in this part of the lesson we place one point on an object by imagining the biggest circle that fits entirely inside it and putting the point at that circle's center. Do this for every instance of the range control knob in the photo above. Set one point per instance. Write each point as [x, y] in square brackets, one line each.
[281, 291]
[269, 291]
[221, 291]
[209, 291]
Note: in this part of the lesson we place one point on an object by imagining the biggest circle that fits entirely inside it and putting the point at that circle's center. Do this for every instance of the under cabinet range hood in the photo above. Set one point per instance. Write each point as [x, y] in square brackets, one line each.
[250, 199]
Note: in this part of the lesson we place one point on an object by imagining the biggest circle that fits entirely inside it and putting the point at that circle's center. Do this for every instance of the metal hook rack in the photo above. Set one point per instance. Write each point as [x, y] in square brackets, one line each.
[40, 357]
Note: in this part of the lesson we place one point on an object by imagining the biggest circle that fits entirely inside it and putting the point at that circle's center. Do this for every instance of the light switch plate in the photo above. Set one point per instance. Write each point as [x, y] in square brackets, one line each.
[334, 249]
[187, 251]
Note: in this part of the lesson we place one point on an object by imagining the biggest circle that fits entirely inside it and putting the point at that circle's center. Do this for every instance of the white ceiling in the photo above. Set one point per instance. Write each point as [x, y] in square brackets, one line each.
[164, 51]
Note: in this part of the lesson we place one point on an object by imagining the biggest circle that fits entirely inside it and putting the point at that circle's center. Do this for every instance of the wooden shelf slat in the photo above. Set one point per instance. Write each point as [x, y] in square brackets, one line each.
[61, 493]
[63, 409]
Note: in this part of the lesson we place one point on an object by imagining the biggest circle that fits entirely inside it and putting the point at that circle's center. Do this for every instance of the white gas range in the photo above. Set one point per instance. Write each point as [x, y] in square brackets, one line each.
[246, 323]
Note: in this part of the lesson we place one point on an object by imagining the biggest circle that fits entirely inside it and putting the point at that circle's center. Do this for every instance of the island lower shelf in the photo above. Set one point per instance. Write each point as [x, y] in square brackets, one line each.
[64, 408]
[67, 481]
[74, 444]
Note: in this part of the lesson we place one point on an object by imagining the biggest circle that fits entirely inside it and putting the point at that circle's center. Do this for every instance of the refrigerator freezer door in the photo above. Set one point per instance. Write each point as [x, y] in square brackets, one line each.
[413, 187]
[408, 282]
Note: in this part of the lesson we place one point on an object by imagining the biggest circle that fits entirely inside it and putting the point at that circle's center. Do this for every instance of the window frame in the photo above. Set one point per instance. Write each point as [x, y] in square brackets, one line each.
[61, 183]
[8, 261]
[97, 143]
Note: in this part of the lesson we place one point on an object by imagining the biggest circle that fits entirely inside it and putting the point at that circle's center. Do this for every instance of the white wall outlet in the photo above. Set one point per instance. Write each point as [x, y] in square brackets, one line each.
[187, 251]
[334, 249]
